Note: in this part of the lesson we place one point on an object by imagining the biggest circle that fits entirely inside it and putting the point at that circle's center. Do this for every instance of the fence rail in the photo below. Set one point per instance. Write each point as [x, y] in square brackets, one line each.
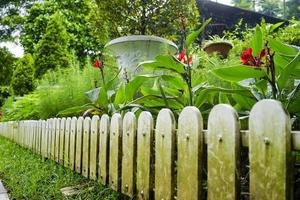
[162, 160]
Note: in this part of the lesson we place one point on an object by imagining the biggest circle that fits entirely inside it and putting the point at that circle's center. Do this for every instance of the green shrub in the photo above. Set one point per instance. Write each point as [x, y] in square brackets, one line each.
[4, 94]
[21, 108]
[52, 50]
[23, 77]
[62, 89]
[291, 33]
[6, 66]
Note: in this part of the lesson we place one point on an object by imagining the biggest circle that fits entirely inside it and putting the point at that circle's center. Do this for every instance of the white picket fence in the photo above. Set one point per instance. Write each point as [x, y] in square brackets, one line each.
[162, 160]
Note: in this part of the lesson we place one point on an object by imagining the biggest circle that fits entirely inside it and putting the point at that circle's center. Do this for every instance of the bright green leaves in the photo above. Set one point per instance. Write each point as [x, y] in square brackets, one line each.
[167, 62]
[190, 39]
[257, 41]
[238, 73]
[291, 69]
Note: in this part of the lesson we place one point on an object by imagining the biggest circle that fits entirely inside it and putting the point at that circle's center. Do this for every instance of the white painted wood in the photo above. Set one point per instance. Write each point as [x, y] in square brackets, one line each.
[104, 149]
[73, 143]
[52, 132]
[270, 151]
[79, 139]
[67, 143]
[165, 155]
[190, 154]
[86, 146]
[62, 140]
[57, 137]
[115, 152]
[129, 145]
[94, 149]
[145, 156]
[223, 153]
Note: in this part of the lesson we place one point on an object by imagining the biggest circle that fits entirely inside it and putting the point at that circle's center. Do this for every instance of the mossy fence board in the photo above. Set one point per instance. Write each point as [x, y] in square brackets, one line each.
[156, 160]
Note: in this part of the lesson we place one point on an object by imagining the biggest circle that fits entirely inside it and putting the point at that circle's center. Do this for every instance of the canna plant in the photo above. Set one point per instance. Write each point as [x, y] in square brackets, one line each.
[273, 73]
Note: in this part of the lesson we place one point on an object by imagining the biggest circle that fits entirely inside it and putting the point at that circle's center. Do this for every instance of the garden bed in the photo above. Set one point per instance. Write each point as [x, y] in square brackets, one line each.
[27, 176]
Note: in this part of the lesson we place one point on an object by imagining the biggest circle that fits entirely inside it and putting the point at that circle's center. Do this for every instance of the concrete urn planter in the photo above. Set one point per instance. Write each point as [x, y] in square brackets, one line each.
[131, 50]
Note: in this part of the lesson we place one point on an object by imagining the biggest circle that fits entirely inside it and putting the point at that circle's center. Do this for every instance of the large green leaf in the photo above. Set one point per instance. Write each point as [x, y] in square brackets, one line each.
[289, 70]
[120, 95]
[257, 41]
[167, 62]
[134, 85]
[281, 48]
[194, 35]
[238, 73]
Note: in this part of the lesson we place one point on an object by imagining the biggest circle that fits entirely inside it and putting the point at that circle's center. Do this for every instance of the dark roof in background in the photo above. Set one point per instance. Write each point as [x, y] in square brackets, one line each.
[225, 17]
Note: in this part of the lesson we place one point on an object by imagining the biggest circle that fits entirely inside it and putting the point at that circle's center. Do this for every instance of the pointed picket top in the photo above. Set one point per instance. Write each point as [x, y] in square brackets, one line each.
[115, 152]
[104, 149]
[86, 146]
[190, 150]
[129, 154]
[165, 155]
[145, 156]
[73, 143]
[223, 153]
[270, 151]
[79, 140]
[94, 147]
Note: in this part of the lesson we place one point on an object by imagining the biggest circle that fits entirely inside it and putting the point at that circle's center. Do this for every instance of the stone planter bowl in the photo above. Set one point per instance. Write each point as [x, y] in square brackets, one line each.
[131, 50]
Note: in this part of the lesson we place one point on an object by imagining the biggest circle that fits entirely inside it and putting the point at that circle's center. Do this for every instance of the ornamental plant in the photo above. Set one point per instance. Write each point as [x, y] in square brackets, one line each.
[269, 69]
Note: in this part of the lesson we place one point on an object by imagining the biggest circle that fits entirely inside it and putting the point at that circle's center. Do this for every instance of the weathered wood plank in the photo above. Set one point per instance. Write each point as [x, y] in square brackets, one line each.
[165, 155]
[67, 143]
[44, 139]
[57, 137]
[73, 142]
[62, 140]
[104, 149]
[270, 151]
[223, 153]
[48, 132]
[79, 139]
[129, 155]
[145, 156]
[86, 146]
[94, 156]
[190, 151]
[115, 152]
[52, 131]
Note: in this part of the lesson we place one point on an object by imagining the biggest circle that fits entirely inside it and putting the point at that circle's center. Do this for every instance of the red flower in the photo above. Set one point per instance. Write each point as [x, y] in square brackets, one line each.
[248, 59]
[182, 57]
[98, 63]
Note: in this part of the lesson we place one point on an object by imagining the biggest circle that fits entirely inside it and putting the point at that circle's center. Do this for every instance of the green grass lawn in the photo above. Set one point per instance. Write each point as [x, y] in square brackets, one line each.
[26, 176]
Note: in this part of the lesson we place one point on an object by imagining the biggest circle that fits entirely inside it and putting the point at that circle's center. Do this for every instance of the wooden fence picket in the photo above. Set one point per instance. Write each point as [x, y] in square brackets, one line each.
[104, 149]
[86, 146]
[52, 132]
[62, 140]
[223, 153]
[73, 143]
[94, 147]
[67, 143]
[145, 157]
[190, 154]
[115, 152]
[79, 139]
[165, 143]
[48, 133]
[129, 155]
[44, 139]
[270, 151]
[57, 137]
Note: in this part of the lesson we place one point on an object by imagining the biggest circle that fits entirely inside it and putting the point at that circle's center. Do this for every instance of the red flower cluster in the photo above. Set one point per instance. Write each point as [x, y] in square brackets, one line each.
[182, 57]
[248, 59]
[98, 64]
